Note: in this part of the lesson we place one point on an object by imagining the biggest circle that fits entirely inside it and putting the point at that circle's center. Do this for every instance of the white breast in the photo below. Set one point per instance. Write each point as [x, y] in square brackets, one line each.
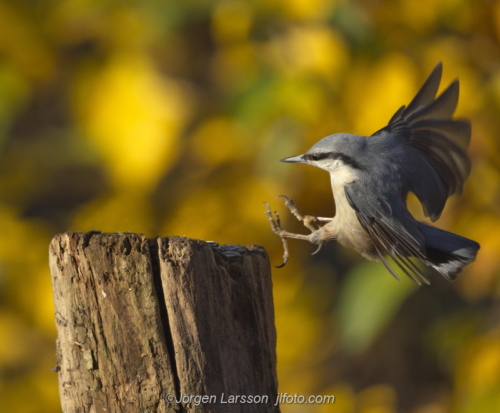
[345, 223]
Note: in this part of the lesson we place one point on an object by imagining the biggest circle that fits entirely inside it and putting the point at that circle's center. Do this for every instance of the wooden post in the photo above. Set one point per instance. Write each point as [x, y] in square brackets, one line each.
[166, 325]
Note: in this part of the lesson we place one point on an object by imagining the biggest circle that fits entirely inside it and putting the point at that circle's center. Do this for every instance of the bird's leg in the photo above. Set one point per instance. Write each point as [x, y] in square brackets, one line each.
[307, 220]
[315, 237]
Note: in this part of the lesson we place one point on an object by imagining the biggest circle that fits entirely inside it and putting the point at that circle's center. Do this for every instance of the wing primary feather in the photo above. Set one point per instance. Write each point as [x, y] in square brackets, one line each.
[386, 264]
[399, 258]
[447, 158]
[394, 238]
[459, 130]
[415, 269]
[427, 92]
[396, 256]
[432, 140]
[398, 113]
[442, 107]
[394, 244]
[382, 230]
[385, 243]
[376, 241]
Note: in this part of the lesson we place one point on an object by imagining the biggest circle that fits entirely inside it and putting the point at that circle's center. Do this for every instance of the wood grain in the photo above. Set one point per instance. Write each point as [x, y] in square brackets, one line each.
[155, 325]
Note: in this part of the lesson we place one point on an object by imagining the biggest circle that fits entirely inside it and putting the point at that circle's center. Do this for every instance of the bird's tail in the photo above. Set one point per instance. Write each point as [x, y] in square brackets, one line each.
[448, 253]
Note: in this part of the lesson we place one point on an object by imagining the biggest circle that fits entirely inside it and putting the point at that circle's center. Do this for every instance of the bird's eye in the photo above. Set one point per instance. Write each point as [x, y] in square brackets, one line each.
[316, 156]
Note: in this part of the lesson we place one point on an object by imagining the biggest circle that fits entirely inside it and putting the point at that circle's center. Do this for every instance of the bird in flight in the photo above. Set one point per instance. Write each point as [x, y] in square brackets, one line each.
[421, 150]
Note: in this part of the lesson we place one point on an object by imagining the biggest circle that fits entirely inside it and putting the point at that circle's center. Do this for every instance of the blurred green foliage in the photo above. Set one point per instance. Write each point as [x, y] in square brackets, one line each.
[169, 118]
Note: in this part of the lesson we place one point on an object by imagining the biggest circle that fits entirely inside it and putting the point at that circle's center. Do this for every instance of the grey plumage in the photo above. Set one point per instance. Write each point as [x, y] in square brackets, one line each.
[421, 150]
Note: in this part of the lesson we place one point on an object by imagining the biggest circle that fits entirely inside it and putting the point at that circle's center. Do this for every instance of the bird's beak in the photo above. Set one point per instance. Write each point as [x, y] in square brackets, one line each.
[294, 159]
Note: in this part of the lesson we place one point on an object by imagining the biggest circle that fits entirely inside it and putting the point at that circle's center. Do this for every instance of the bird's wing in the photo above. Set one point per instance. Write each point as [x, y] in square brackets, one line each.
[389, 224]
[427, 125]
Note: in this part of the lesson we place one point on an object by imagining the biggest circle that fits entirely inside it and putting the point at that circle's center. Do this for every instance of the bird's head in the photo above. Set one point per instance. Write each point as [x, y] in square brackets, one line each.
[333, 152]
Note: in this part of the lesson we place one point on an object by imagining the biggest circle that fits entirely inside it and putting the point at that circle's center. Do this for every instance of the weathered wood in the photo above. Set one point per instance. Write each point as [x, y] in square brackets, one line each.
[144, 323]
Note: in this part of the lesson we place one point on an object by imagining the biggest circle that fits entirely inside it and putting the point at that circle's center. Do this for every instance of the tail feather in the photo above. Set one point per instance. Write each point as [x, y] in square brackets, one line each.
[446, 252]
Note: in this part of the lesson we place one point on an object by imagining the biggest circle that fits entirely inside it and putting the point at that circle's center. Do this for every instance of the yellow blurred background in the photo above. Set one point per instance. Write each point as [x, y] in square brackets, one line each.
[170, 117]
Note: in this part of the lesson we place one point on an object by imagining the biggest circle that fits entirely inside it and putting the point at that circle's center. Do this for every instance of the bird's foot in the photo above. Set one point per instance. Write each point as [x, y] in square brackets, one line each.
[284, 235]
[307, 220]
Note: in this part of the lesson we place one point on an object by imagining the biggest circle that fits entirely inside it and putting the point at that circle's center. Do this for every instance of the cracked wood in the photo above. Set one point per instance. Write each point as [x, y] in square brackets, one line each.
[140, 319]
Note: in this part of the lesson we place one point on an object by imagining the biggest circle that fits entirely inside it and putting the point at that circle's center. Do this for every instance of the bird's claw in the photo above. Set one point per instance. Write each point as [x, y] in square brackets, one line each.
[276, 228]
[307, 220]
[320, 245]
[284, 235]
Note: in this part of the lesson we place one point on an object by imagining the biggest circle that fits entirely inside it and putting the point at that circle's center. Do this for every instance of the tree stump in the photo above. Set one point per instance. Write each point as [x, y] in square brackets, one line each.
[166, 325]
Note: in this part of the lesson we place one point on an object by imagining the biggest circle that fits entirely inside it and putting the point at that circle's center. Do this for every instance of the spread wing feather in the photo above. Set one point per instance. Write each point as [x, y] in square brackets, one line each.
[428, 91]
[398, 238]
[427, 125]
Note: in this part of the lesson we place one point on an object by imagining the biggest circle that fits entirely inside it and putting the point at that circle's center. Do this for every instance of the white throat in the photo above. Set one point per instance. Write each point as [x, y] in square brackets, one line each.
[340, 176]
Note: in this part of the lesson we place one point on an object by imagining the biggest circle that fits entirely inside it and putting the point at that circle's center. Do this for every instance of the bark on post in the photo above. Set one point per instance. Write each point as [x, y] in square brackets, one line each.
[144, 323]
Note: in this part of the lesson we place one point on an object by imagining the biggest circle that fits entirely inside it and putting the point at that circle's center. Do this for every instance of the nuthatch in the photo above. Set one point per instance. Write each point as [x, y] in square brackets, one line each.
[421, 150]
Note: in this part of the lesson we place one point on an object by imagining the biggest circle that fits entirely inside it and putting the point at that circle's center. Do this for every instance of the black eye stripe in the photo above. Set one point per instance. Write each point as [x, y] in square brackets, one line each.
[333, 155]
[318, 156]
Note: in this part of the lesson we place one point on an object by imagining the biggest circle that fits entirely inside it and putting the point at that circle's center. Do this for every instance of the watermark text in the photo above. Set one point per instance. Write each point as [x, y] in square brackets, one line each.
[223, 398]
